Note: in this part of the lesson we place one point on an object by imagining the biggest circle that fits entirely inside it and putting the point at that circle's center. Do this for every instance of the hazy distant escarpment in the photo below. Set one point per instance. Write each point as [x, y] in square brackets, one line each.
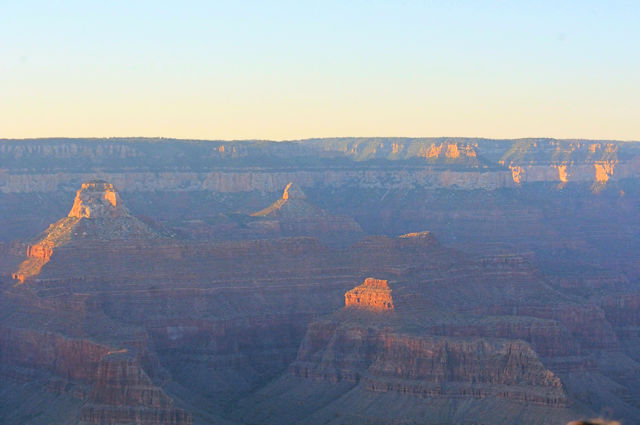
[44, 165]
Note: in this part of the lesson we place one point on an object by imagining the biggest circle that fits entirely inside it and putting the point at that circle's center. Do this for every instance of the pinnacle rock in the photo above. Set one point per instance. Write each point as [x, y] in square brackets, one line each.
[293, 192]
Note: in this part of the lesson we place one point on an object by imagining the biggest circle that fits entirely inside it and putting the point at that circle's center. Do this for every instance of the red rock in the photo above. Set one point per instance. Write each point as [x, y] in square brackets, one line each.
[373, 294]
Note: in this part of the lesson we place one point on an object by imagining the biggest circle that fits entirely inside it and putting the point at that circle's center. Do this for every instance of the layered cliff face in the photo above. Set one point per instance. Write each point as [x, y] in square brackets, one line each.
[431, 366]
[123, 394]
[110, 384]
[369, 348]
[373, 294]
[564, 161]
[478, 343]
[151, 165]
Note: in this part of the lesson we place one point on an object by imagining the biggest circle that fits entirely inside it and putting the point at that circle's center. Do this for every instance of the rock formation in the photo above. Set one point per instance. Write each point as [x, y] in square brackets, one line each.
[293, 215]
[97, 214]
[292, 204]
[373, 294]
[97, 199]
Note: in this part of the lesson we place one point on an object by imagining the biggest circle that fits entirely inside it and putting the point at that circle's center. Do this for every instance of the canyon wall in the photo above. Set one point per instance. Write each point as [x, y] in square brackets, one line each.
[165, 165]
[518, 305]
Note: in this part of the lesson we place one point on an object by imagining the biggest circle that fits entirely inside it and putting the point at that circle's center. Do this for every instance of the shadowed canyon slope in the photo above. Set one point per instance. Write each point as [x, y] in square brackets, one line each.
[190, 296]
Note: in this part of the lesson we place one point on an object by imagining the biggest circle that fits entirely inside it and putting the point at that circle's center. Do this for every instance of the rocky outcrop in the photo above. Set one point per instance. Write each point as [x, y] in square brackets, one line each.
[373, 294]
[440, 365]
[97, 199]
[293, 215]
[292, 203]
[382, 358]
[97, 214]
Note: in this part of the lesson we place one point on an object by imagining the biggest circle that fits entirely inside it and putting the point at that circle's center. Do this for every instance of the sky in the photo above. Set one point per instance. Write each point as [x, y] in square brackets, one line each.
[284, 70]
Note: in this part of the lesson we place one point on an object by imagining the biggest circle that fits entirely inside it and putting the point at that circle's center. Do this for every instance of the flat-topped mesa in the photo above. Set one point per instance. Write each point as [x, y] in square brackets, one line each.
[373, 294]
[97, 199]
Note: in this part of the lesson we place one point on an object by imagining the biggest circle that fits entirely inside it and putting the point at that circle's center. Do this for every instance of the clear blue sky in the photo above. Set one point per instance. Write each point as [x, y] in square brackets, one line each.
[283, 70]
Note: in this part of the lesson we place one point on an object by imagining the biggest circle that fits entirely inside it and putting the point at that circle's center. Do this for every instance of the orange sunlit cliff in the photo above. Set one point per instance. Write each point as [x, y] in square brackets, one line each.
[373, 294]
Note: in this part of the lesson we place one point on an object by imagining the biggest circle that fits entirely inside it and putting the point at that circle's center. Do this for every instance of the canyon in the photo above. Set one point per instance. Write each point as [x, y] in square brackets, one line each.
[439, 281]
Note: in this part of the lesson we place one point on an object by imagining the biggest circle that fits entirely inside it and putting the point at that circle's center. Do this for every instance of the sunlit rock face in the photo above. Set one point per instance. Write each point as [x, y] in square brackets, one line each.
[293, 192]
[373, 294]
[97, 199]
[454, 153]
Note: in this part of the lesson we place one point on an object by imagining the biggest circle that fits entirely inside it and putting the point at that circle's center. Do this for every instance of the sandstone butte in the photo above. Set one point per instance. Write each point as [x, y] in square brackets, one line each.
[373, 294]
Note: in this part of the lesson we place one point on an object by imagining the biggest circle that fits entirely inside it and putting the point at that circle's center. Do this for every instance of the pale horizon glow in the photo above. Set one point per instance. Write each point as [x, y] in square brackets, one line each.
[293, 70]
